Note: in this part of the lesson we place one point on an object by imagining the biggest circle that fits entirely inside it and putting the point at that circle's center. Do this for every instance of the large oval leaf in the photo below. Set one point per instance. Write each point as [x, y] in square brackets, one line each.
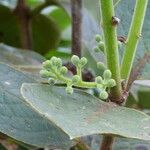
[9, 29]
[82, 114]
[45, 33]
[18, 120]
[26, 61]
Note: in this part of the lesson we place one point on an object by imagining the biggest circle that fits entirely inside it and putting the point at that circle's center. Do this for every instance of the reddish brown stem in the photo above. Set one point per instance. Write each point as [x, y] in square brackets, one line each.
[22, 13]
[107, 142]
[76, 7]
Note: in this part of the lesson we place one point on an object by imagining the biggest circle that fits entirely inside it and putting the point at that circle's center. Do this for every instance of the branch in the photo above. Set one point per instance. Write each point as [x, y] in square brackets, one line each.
[111, 47]
[76, 8]
[22, 13]
[133, 38]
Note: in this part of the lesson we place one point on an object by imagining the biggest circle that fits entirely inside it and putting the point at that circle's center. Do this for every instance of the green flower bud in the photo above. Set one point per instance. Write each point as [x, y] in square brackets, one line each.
[51, 81]
[44, 73]
[98, 79]
[83, 61]
[75, 60]
[96, 49]
[107, 74]
[101, 46]
[58, 62]
[63, 70]
[111, 83]
[47, 64]
[54, 60]
[98, 38]
[103, 95]
[75, 79]
[69, 90]
[100, 65]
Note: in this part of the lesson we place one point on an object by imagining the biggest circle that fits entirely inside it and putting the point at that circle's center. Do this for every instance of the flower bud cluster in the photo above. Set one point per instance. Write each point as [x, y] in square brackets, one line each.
[54, 70]
[100, 44]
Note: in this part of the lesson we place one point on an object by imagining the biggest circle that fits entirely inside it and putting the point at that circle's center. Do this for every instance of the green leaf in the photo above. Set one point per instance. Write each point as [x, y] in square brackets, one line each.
[81, 114]
[9, 29]
[16, 56]
[45, 32]
[61, 17]
[143, 51]
[141, 92]
[26, 61]
[9, 3]
[19, 121]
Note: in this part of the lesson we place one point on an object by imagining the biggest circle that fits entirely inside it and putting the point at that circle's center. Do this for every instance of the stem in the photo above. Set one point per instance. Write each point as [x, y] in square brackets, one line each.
[22, 13]
[76, 7]
[111, 50]
[111, 46]
[133, 38]
[107, 142]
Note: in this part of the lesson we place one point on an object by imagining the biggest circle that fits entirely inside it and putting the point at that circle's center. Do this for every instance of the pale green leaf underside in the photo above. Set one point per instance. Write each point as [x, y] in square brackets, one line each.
[20, 121]
[82, 114]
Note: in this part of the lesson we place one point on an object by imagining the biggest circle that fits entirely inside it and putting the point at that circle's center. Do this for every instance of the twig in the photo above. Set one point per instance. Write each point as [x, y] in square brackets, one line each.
[76, 8]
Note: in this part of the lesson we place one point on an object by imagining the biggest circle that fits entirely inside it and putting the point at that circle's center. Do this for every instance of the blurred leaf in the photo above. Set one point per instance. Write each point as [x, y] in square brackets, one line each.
[141, 92]
[59, 54]
[9, 3]
[2, 147]
[9, 29]
[81, 114]
[34, 3]
[144, 98]
[143, 51]
[26, 61]
[15, 56]
[19, 120]
[46, 34]
[145, 83]
[61, 17]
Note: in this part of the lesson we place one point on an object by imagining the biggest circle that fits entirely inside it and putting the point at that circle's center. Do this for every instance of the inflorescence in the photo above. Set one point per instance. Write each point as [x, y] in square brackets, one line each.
[55, 71]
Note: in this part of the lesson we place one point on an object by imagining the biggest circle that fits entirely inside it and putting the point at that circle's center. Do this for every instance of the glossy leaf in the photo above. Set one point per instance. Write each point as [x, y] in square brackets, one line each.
[45, 32]
[9, 29]
[19, 121]
[61, 17]
[24, 60]
[81, 114]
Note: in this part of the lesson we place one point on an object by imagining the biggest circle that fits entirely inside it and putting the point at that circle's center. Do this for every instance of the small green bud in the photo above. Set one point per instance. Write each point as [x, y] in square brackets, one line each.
[75, 60]
[51, 81]
[111, 83]
[103, 95]
[101, 46]
[58, 62]
[69, 90]
[75, 79]
[107, 74]
[44, 73]
[83, 61]
[63, 70]
[47, 64]
[98, 79]
[100, 65]
[54, 60]
[98, 38]
[96, 49]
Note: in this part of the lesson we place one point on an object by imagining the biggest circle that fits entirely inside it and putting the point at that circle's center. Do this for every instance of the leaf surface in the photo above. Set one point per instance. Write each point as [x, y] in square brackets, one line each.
[82, 114]
[19, 121]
